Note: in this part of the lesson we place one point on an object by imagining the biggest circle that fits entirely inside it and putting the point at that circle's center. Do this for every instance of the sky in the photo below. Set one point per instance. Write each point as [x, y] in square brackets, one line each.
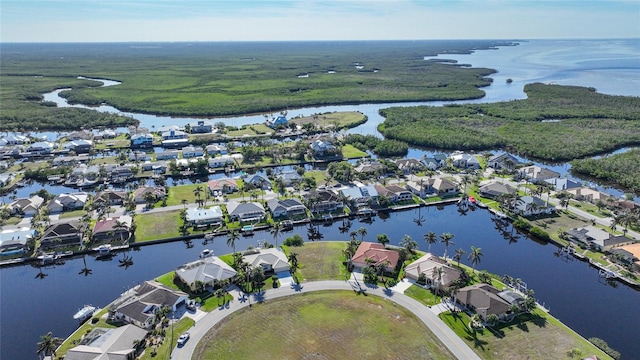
[276, 20]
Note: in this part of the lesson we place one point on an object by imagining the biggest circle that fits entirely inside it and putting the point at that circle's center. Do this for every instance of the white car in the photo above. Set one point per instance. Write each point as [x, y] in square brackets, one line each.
[183, 339]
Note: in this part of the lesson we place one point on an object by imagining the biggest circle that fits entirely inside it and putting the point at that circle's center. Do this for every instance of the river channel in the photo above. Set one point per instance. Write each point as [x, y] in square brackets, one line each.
[571, 289]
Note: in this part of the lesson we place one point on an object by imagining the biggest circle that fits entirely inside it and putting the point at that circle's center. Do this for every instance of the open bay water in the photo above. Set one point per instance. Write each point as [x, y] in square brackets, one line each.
[30, 307]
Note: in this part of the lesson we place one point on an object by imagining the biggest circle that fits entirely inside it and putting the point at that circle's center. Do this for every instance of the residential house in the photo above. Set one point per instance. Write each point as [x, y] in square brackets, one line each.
[429, 265]
[201, 127]
[562, 184]
[286, 208]
[245, 212]
[224, 160]
[531, 206]
[61, 234]
[200, 216]
[280, 120]
[323, 148]
[79, 146]
[289, 177]
[79, 135]
[485, 300]
[464, 161]
[13, 139]
[106, 343]
[111, 229]
[40, 148]
[175, 138]
[370, 168]
[192, 151]
[323, 201]
[503, 161]
[209, 271]
[375, 254]
[362, 195]
[105, 134]
[138, 156]
[494, 190]
[68, 201]
[26, 206]
[140, 194]
[258, 181]
[537, 174]
[271, 260]
[142, 141]
[587, 194]
[395, 193]
[434, 162]
[629, 254]
[409, 166]
[596, 238]
[70, 160]
[15, 240]
[119, 174]
[110, 197]
[167, 155]
[216, 149]
[223, 186]
[444, 187]
[5, 179]
[139, 305]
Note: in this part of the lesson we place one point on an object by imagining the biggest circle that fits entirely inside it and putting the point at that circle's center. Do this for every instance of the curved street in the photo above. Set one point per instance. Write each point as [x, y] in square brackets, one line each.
[456, 345]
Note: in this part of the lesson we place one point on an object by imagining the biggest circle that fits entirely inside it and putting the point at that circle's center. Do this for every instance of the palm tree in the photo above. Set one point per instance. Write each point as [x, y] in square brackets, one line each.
[231, 239]
[48, 344]
[275, 232]
[293, 259]
[458, 255]
[408, 243]
[474, 256]
[362, 232]
[184, 203]
[437, 275]
[446, 239]
[198, 192]
[119, 225]
[383, 239]
[353, 234]
[430, 238]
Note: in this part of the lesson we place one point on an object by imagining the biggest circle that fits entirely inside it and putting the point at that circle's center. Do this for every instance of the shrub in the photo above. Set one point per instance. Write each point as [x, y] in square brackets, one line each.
[295, 240]
[602, 345]
[539, 233]
[521, 224]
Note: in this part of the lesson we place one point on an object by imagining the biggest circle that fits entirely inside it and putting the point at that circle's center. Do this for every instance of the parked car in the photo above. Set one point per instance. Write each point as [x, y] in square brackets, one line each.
[183, 339]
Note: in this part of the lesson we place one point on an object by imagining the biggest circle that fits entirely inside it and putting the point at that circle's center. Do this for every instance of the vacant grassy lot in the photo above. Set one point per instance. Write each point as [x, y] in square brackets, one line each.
[159, 225]
[351, 152]
[324, 325]
[423, 295]
[321, 260]
[536, 336]
[334, 120]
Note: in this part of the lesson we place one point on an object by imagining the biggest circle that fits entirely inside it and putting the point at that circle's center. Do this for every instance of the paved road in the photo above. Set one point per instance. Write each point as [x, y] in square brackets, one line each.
[456, 345]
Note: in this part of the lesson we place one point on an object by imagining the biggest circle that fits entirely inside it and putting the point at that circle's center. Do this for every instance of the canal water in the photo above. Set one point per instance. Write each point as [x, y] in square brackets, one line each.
[31, 306]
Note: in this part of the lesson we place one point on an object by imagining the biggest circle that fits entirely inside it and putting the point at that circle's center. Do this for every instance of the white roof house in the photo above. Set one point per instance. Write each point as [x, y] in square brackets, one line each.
[200, 216]
[104, 343]
[208, 270]
[270, 259]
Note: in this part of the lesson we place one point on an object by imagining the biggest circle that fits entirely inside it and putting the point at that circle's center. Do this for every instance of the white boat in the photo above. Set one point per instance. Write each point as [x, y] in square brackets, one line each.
[85, 312]
[206, 253]
[47, 258]
[103, 249]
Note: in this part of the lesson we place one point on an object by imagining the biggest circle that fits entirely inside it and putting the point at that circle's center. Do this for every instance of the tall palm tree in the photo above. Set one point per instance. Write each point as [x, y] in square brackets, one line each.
[293, 259]
[383, 239]
[458, 255]
[408, 243]
[474, 256]
[430, 238]
[119, 225]
[198, 192]
[353, 234]
[446, 239]
[437, 275]
[231, 239]
[184, 203]
[275, 232]
[48, 344]
[362, 232]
